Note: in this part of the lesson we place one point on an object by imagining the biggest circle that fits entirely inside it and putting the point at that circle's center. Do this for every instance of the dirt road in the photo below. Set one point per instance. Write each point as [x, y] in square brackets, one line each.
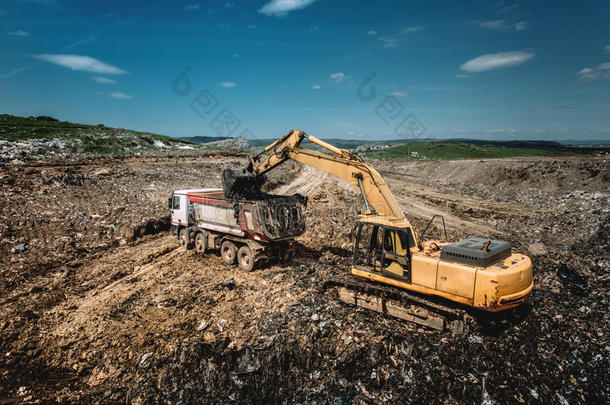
[101, 305]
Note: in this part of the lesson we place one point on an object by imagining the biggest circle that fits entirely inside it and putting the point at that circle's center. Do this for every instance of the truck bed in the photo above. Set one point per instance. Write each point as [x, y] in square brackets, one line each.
[270, 218]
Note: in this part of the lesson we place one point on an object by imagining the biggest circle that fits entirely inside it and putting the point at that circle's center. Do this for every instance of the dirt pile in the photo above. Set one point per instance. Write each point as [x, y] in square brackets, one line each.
[238, 142]
[117, 318]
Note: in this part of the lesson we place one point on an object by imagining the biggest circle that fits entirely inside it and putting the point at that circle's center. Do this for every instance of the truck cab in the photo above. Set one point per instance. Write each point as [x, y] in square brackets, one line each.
[181, 208]
[177, 204]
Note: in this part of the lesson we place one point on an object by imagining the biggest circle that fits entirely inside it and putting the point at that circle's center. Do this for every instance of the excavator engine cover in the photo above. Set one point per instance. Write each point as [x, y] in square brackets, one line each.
[237, 185]
[480, 252]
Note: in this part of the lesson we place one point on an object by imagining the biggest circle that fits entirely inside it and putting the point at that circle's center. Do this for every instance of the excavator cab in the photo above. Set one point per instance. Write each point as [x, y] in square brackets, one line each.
[384, 250]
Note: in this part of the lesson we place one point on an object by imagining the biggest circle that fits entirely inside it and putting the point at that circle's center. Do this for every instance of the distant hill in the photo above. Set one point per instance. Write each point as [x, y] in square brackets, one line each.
[204, 139]
[473, 149]
[24, 136]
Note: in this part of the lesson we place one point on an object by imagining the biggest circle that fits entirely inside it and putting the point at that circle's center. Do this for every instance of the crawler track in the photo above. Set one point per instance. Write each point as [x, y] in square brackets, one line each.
[399, 303]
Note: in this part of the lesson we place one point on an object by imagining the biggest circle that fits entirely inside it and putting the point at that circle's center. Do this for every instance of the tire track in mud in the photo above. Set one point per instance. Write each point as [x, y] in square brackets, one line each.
[306, 183]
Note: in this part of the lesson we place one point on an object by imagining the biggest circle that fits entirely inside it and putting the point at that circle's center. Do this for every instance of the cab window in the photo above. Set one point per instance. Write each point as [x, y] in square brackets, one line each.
[398, 242]
[176, 202]
[369, 244]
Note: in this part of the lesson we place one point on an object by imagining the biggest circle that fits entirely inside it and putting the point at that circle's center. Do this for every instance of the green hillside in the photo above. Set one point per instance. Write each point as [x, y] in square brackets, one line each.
[452, 150]
[42, 135]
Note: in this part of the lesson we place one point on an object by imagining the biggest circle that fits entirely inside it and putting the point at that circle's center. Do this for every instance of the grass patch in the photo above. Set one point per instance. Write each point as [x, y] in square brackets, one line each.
[453, 150]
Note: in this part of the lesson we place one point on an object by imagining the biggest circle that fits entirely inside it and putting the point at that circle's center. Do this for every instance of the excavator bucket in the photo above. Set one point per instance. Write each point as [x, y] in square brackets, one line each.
[238, 185]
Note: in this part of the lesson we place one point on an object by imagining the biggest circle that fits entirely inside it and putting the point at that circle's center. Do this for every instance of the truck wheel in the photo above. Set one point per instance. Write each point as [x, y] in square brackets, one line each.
[184, 239]
[228, 251]
[245, 258]
[200, 244]
[287, 256]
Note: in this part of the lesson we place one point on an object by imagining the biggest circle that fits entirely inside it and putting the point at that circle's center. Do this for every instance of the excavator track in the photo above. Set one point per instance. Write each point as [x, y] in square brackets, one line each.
[398, 303]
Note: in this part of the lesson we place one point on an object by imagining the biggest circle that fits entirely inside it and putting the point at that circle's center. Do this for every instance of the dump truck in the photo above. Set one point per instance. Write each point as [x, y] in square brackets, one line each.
[245, 228]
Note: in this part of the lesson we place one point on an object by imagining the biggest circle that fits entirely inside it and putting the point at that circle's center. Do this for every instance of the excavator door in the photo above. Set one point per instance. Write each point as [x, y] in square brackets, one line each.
[396, 258]
[383, 250]
[368, 247]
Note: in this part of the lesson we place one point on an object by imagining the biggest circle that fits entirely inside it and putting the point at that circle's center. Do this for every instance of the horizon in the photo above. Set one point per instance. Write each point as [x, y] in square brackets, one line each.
[361, 71]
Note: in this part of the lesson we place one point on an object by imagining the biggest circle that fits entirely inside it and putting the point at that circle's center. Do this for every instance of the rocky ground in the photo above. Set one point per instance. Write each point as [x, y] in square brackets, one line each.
[98, 303]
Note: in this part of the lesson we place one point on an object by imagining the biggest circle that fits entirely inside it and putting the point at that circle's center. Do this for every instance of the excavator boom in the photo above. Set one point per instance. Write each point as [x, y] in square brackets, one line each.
[379, 202]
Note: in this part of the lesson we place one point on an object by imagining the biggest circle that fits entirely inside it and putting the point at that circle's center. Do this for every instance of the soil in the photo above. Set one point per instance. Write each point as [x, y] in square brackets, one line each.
[99, 304]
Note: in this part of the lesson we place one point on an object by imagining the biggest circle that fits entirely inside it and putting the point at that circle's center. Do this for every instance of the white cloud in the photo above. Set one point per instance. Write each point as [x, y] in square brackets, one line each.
[502, 25]
[607, 48]
[388, 42]
[79, 62]
[192, 7]
[339, 77]
[227, 84]
[521, 26]
[251, 26]
[104, 80]
[410, 30]
[399, 93]
[371, 32]
[497, 60]
[19, 33]
[588, 74]
[229, 5]
[316, 87]
[462, 76]
[314, 28]
[236, 55]
[120, 95]
[279, 8]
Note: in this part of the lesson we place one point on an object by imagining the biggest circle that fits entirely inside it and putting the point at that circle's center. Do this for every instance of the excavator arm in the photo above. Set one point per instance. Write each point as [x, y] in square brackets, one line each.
[378, 200]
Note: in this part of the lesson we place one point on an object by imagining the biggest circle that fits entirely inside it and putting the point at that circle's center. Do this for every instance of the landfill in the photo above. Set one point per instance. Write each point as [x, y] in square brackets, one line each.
[99, 304]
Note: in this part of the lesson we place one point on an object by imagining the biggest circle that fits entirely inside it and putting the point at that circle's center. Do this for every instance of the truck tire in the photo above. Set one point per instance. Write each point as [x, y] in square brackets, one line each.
[185, 243]
[287, 256]
[245, 258]
[200, 242]
[228, 251]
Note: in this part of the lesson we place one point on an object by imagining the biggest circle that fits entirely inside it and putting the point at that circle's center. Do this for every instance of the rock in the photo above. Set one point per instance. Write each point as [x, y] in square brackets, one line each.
[204, 324]
[145, 360]
[537, 249]
[475, 339]
[102, 172]
[6, 179]
[20, 248]
[209, 338]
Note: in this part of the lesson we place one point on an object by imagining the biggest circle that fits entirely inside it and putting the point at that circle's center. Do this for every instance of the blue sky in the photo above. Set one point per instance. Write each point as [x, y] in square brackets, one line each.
[491, 69]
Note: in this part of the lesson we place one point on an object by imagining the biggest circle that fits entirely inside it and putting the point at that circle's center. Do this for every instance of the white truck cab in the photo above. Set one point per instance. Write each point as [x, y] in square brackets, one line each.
[180, 206]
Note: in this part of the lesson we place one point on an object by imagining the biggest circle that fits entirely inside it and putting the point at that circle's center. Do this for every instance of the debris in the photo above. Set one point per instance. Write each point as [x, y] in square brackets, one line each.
[537, 249]
[475, 339]
[145, 360]
[204, 324]
[237, 142]
[571, 278]
[102, 172]
[20, 248]
[209, 338]
[125, 302]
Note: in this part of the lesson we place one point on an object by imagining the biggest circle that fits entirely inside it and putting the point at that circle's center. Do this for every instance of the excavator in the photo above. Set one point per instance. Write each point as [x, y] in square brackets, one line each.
[398, 272]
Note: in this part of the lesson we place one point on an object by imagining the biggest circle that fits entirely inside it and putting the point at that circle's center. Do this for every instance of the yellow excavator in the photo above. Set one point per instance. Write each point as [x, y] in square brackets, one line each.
[481, 273]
